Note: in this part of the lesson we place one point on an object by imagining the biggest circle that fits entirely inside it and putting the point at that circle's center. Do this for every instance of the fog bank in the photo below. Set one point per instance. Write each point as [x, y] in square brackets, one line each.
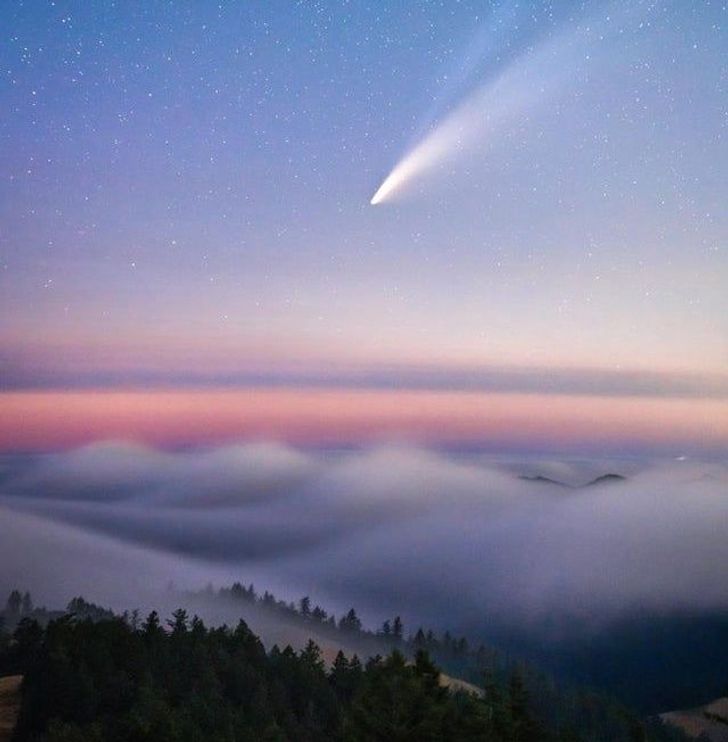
[444, 539]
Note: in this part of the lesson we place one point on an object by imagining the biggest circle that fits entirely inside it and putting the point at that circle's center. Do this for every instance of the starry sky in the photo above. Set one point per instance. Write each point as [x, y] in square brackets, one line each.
[189, 253]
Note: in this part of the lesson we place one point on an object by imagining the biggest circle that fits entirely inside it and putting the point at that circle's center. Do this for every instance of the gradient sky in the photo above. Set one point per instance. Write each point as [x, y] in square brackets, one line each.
[185, 208]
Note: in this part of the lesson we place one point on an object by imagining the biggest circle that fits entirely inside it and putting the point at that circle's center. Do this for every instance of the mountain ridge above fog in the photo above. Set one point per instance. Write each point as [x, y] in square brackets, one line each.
[608, 478]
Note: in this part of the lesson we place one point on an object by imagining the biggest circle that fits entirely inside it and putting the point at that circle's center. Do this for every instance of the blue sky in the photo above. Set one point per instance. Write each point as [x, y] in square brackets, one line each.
[185, 192]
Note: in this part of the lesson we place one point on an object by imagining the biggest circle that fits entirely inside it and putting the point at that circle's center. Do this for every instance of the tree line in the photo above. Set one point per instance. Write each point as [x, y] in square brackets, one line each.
[91, 676]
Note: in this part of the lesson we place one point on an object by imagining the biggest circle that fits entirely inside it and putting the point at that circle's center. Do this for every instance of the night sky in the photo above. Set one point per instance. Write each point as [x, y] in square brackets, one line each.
[189, 252]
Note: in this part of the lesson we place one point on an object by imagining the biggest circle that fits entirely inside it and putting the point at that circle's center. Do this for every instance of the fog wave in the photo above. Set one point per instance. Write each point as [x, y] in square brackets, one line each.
[448, 539]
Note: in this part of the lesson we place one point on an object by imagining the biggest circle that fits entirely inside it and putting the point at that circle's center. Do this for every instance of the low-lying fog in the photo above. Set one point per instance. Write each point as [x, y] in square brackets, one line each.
[446, 540]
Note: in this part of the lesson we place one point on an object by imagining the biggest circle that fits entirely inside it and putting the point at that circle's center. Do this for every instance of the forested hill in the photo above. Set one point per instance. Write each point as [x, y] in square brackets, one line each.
[92, 676]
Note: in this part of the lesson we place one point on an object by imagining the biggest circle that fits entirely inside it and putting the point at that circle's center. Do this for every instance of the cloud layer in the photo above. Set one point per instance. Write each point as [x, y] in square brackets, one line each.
[450, 540]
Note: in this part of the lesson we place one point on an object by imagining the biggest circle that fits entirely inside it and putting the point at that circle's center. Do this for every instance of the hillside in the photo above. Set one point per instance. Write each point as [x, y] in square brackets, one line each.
[107, 681]
[9, 705]
[710, 721]
[606, 479]
[99, 676]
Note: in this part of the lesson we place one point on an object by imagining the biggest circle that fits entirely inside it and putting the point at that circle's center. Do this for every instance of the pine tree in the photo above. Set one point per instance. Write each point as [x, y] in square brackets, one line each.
[305, 606]
[178, 624]
[151, 625]
[12, 607]
[524, 727]
[311, 656]
[350, 622]
[397, 628]
[27, 605]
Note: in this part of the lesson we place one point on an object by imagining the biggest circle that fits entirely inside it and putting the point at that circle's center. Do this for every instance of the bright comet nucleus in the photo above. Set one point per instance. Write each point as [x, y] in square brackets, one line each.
[390, 184]
[446, 138]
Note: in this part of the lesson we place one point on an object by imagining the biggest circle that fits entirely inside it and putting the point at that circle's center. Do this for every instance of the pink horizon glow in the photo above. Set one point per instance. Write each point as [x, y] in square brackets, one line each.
[50, 420]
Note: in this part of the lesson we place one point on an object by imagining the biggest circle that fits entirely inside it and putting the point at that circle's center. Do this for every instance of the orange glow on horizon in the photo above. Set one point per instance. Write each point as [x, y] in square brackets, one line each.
[48, 420]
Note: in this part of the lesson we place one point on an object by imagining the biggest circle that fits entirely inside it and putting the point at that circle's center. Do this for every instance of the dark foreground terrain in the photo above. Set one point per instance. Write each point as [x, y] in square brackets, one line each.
[91, 676]
[9, 705]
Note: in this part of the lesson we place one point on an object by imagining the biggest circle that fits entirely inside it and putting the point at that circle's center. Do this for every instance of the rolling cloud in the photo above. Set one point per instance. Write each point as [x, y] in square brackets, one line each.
[447, 539]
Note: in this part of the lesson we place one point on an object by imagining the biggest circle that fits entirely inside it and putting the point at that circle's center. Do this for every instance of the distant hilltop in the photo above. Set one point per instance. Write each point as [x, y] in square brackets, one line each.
[543, 480]
[606, 479]
[603, 479]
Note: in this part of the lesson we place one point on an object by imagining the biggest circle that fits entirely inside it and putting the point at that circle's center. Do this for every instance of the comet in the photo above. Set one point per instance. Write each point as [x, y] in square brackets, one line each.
[468, 124]
[428, 153]
[539, 73]
[472, 122]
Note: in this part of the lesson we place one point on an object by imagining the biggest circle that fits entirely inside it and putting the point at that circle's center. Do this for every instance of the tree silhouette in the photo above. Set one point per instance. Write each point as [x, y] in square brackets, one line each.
[13, 605]
[397, 628]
